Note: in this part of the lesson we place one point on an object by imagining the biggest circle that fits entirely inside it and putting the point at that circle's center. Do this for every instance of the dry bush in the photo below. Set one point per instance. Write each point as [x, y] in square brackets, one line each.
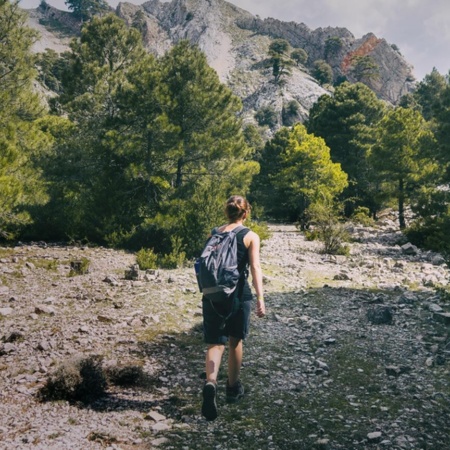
[80, 378]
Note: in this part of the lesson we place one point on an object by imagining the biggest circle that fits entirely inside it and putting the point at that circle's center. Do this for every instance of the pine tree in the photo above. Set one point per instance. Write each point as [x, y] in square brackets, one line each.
[21, 138]
[209, 157]
[296, 172]
[346, 120]
[400, 156]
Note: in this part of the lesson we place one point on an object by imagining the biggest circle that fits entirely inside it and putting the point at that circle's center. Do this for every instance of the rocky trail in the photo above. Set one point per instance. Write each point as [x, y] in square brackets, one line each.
[353, 354]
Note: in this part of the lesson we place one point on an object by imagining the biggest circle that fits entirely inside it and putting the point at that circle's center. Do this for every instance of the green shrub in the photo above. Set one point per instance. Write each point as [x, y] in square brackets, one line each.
[329, 229]
[361, 215]
[432, 234]
[260, 228]
[79, 266]
[267, 116]
[147, 259]
[176, 257]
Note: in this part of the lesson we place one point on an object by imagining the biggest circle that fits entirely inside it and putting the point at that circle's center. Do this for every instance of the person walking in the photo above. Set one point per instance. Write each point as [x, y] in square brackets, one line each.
[217, 333]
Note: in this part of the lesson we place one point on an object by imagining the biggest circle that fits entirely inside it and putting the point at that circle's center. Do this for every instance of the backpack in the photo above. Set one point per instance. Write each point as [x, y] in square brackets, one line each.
[217, 267]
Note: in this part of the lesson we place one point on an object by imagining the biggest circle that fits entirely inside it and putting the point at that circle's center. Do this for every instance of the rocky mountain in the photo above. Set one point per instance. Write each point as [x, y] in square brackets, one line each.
[236, 44]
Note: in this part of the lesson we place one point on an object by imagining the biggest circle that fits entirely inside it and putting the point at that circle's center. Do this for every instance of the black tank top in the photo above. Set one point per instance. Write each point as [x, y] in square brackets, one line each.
[242, 251]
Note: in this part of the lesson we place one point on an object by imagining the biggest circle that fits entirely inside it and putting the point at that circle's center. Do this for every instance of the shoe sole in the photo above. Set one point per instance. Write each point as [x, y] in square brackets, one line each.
[209, 407]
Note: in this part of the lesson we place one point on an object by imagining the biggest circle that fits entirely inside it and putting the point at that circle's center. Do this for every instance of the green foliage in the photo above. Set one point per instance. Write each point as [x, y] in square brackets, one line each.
[86, 9]
[22, 138]
[254, 139]
[442, 129]
[328, 227]
[364, 68]
[333, 46]
[260, 228]
[346, 121]
[322, 72]
[177, 257]
[79, 267]
[400, 156]
[151, 150]
[362, 216]
[428, 93]
[147, 259]
[290, 113]
[296, 171]
[51, 67]
[278, 47]
[432, 233]
[279, 59]
[267, 116]
[299, 55]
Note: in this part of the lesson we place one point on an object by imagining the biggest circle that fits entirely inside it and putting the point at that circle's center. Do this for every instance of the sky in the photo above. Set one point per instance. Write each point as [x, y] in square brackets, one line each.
[419, 28]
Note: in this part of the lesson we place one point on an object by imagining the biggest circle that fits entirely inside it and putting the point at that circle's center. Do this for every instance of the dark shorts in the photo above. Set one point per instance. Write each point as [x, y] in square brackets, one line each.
[237, 326]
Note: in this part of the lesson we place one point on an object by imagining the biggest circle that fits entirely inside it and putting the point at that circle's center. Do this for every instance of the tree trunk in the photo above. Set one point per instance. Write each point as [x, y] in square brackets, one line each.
[401, 204]
[179, 180]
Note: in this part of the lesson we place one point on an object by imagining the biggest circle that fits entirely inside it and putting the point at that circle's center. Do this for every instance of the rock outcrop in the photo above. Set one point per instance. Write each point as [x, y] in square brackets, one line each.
[236, 44]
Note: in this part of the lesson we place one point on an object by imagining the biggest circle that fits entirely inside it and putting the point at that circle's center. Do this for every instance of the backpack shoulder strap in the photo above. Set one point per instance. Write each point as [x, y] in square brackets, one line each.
[238, 229]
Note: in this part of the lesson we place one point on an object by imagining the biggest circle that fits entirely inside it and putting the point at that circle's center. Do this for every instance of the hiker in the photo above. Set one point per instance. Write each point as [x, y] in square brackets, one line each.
[234, 329]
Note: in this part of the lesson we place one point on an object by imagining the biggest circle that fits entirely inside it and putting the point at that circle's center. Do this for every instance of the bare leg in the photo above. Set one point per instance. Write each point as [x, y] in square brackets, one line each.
[235, 353]
[213, 359]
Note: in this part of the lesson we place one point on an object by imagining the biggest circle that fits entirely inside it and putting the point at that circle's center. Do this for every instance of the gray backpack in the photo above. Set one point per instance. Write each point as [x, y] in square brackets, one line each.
[217, 267]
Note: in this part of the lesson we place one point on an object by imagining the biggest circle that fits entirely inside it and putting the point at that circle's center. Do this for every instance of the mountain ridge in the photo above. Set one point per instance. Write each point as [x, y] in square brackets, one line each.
[236, 42]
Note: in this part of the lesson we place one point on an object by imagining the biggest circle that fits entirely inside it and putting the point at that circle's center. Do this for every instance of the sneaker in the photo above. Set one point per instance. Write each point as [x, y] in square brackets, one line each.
[234, 393]
[209, 406]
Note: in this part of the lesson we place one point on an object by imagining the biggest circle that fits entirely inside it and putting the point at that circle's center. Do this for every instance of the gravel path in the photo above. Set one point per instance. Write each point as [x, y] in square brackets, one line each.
[353, 354]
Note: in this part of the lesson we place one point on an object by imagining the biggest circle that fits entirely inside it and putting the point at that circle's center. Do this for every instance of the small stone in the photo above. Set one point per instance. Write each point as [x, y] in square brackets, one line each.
[374, 437]
[104, 319]
[160, 426]
[44, 309]
[156, 416]
[7, 348]
[14, 336]
[6, 312]
[434, 308]
[409, 249]
[380, 315]
[341, 277]
[43, 346]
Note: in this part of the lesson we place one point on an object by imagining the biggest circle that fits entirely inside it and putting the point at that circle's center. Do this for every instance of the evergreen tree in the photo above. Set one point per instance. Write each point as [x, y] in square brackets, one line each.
[333, 45]
[299, 55]
[88, 170]
[364, 68]
[279, 59]
[322, 72]
[400, 156]
[86, 9]
[296, 172]
[21, 137]
[345, 120]
[428, 92]
[209, 157]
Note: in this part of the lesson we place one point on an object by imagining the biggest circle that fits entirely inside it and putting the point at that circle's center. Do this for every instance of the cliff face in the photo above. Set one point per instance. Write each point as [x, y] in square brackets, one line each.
[394, 78]
[236, 43]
